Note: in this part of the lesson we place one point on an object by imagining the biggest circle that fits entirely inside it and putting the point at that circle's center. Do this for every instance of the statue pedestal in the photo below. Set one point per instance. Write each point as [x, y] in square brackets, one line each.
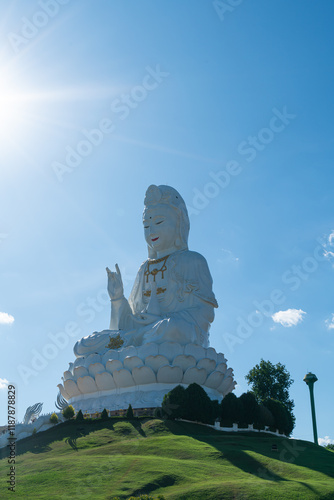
[141, 376]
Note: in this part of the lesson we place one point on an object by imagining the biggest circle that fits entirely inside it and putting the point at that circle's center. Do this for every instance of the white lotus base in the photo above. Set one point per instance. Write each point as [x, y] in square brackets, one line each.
[141, 376]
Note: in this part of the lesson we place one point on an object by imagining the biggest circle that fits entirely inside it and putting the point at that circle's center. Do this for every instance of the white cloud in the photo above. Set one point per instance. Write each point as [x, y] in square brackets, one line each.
[326, 440]
[6, 319]
[3, 383]
[331, 238]
[329, 254]
[330, 323]
[290, 317]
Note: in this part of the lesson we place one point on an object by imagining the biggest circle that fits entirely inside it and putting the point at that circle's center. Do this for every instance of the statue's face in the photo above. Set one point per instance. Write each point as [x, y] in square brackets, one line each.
[160, 227]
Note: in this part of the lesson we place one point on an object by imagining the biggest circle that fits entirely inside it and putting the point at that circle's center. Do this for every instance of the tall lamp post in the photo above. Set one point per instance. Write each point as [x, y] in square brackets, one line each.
[310, 378]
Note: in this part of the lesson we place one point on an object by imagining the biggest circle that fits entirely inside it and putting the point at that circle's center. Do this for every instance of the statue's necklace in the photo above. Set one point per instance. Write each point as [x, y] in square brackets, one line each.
[155, 271]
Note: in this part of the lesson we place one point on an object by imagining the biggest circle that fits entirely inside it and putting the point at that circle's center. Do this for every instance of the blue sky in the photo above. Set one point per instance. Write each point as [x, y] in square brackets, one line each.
[228, 102]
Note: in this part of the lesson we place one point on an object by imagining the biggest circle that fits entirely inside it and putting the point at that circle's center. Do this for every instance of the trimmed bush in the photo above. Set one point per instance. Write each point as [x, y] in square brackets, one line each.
[231, 410]
[129, 412]
[79, 417]
[215, 409]
[68, 412]
[157, 413]
[282, 417]
[250, 408]
[197, 405]
[104, 415]
[54, 418]
[266, 418]
[172, 404]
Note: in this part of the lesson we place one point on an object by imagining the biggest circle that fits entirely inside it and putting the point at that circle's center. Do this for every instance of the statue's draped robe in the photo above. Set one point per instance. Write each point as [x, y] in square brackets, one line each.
[181, 296]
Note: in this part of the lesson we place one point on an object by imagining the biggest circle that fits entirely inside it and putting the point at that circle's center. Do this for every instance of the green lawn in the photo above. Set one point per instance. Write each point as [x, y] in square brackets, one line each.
[181, 461]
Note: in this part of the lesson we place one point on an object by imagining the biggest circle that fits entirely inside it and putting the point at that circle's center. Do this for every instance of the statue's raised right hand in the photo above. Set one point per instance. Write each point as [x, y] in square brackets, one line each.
[115, 284]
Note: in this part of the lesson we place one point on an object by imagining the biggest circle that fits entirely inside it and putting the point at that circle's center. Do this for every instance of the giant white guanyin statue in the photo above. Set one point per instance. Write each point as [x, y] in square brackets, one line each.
[172, 298]
[164, 325]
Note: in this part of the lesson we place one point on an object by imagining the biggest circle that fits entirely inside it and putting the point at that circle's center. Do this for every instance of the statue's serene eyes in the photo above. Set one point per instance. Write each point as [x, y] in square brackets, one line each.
[159, 221]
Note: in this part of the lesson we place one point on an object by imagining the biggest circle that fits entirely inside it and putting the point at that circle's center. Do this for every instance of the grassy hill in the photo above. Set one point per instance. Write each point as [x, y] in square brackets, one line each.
[181, 461]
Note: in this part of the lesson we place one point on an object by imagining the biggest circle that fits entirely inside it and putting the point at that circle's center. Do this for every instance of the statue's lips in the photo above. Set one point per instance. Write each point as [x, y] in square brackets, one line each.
[155, 239]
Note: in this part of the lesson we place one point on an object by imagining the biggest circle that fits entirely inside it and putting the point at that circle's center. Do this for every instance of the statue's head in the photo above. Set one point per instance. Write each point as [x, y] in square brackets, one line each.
[166, 221]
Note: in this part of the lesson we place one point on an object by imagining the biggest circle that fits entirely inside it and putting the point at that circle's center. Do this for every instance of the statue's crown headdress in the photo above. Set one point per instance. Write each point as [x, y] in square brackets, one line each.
[163, 194]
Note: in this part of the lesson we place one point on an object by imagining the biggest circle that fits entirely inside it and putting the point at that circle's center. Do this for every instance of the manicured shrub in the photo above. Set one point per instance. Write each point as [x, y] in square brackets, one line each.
[249, 408]
[266, 418]
[129, 412]
[157, 413]
[68, 412]
[104, 415]
[231, 410]
[215, 409]
[283, 419]
[197, 405]
[54, 418]
[172, 404]
[79, 416]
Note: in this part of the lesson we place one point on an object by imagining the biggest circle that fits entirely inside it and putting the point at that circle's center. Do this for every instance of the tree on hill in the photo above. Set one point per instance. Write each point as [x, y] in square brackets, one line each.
[269, 381]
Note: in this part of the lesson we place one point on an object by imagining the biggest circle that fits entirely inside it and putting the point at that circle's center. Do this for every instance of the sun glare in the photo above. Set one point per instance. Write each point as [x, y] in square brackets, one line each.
[12, 110]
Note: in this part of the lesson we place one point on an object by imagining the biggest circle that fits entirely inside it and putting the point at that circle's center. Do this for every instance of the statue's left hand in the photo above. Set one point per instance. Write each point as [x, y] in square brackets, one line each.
[115, 284]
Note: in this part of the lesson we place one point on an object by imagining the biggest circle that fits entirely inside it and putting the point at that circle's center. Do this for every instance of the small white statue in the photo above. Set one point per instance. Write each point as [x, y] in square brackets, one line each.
[172, 298]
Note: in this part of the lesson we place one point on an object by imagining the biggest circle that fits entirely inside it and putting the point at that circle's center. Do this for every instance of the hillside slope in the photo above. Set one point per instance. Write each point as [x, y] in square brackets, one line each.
[182, 461]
